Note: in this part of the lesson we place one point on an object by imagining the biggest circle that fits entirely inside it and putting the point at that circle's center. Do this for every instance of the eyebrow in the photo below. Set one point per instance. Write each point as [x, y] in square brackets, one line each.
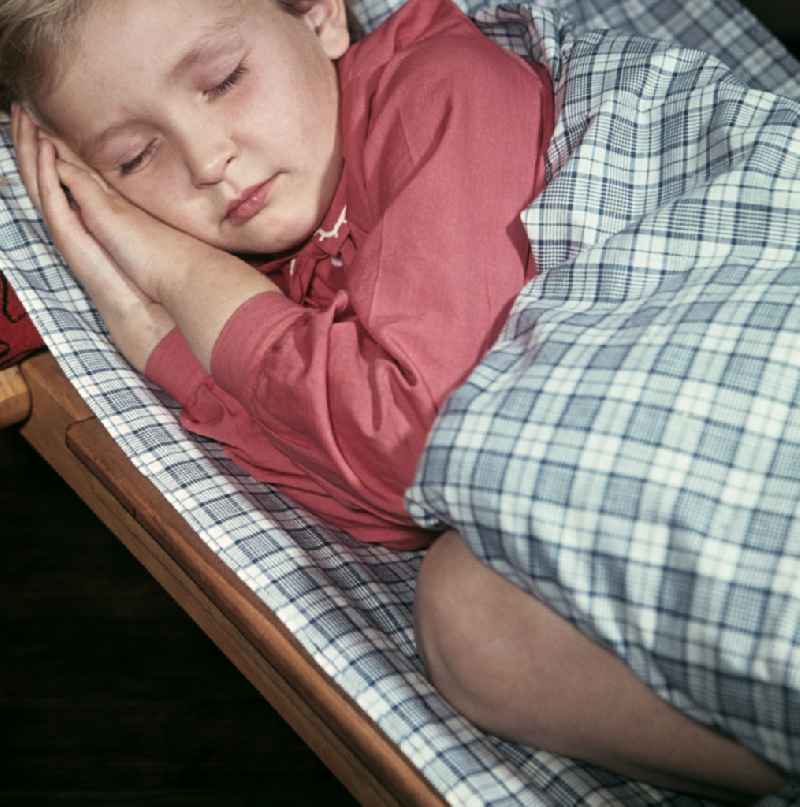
[97, 143]
[217, 39]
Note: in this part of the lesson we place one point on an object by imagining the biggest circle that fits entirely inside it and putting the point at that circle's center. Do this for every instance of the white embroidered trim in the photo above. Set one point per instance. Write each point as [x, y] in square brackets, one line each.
[334, 233]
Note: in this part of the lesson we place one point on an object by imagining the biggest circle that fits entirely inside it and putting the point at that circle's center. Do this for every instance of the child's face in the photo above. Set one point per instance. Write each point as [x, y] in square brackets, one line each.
[190, 106]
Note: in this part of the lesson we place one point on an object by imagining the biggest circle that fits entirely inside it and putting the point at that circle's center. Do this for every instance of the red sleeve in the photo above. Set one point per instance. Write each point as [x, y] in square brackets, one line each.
[209, 410]
[451, 154]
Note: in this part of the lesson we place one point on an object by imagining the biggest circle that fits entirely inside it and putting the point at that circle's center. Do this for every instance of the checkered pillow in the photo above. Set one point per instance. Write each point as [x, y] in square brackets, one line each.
[629, 451]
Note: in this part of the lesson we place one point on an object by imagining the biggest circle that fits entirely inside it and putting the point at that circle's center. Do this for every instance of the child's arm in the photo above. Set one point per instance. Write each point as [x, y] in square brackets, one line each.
[144, 276]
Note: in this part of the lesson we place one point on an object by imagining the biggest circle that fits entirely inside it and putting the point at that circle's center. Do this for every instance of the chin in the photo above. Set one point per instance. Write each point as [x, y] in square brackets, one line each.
[285, 237]
[269, 234]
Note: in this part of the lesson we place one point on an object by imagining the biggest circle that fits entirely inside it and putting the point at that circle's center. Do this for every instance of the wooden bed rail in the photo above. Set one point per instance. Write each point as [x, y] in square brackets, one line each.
[15, 397]
[62, 428]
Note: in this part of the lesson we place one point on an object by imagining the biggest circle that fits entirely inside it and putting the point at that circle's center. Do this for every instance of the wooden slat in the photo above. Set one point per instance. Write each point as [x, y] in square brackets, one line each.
[53, 392]
[63, 430]
[15, 398]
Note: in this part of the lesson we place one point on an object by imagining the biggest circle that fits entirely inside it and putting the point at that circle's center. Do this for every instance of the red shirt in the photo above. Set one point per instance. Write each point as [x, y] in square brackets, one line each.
[329, 391]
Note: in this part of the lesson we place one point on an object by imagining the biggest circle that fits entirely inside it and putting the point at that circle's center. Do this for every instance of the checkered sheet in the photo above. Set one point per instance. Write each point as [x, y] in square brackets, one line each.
[349, 604]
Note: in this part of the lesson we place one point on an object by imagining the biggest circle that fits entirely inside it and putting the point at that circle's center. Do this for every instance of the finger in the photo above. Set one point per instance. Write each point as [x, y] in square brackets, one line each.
[121, 228]
[78, 164]
[55, 205]
[64, 221]
[126, 233]
[60, 183]
[66, 154]
[114, 293]
[96, 201]
[26, 143]
[29, 143]
[88, 259]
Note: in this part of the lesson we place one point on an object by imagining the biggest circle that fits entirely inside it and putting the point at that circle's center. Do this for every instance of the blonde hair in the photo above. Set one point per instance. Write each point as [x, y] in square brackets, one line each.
[36, 36]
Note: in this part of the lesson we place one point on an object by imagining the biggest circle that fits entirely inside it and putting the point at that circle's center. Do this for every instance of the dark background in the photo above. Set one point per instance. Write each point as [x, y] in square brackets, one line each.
[782, 17]
[109, 694]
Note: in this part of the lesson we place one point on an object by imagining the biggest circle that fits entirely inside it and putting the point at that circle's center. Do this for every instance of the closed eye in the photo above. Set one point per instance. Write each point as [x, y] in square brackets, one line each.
[227, 83]
[230, 81]
[131, 165]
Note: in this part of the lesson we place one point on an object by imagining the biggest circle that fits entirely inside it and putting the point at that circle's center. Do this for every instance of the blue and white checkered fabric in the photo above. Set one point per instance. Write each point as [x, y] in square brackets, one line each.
[349, 605]
[630, 448]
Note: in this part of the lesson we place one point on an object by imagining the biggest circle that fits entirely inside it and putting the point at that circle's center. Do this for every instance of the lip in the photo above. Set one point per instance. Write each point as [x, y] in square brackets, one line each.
[250, 202]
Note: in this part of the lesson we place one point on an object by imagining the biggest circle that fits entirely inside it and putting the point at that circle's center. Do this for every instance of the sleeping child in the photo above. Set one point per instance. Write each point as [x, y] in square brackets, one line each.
[323, 367]
[309, 244]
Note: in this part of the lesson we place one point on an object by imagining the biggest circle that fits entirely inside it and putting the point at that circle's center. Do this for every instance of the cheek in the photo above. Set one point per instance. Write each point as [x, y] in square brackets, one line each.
[159, 194]
[274, 109]
[149, 196]
[259, 117]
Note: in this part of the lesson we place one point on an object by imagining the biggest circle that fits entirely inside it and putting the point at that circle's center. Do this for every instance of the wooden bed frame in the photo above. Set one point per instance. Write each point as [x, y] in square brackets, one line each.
[36, 398]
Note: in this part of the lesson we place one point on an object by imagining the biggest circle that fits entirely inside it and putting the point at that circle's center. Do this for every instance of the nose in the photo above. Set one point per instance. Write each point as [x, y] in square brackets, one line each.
[208, 157]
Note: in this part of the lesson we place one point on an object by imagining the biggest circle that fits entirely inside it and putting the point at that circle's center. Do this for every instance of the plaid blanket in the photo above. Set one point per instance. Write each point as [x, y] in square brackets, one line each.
[629, 451]
[349, 604]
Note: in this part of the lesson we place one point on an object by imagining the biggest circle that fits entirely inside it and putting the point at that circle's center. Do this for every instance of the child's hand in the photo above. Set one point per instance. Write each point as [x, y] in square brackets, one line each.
[148, 251]
[136, 268]
[128, 235]
[136, 322]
